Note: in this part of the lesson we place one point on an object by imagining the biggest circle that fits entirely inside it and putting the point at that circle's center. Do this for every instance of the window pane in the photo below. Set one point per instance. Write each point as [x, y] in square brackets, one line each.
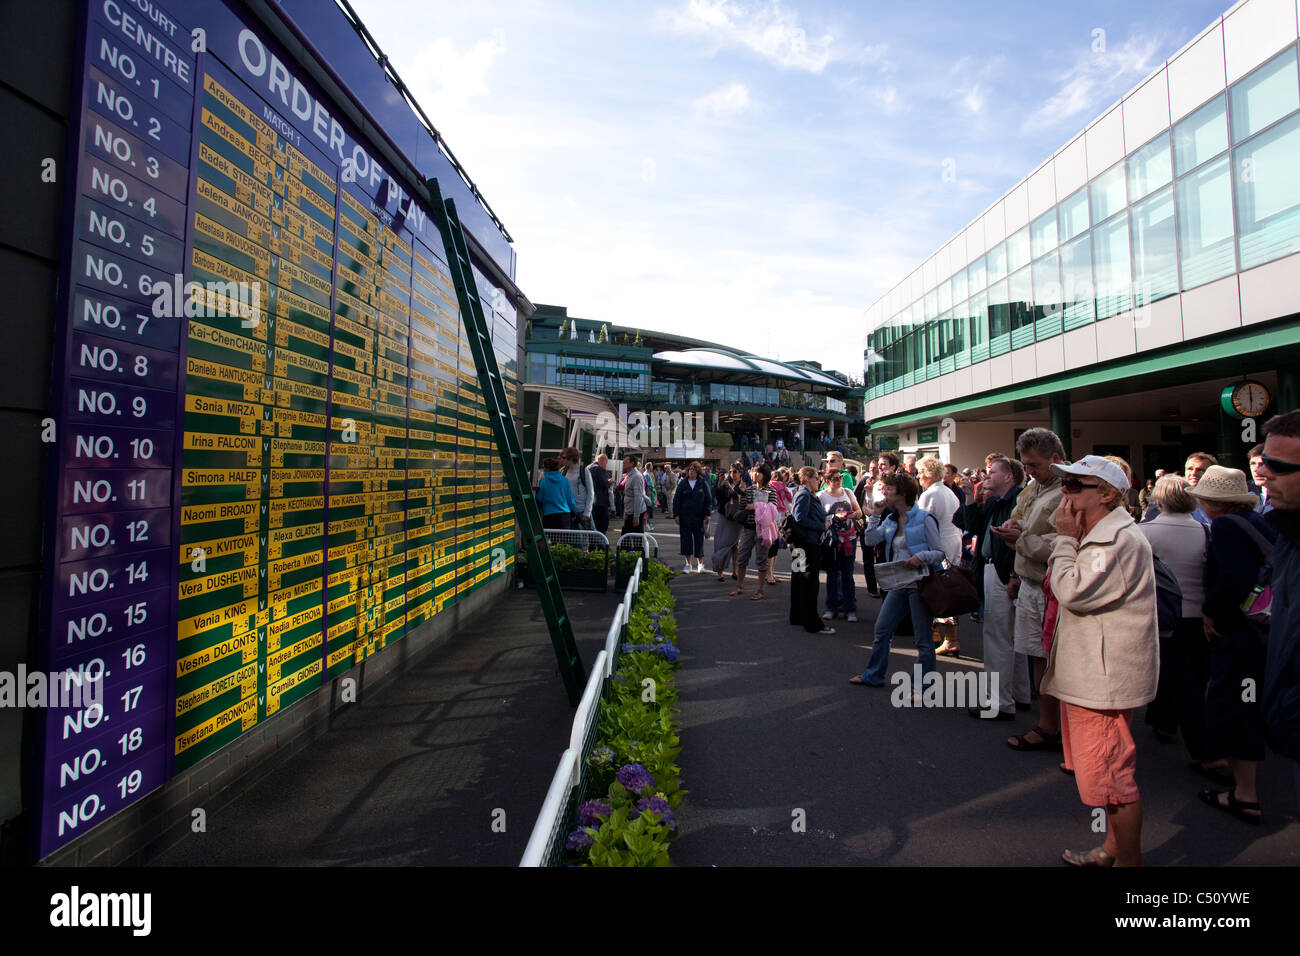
[999, 311]
[1020, 293]
[1111, 265]
[945, 297]
[1268, 194]
[1018, 250]
[931, 305]
[1047, 296]
[997, 260]
[1044, 231]
[1108, 193]
[977, 275]
[958, 286]
[1205, 224]
[1076, 282]
[979, 327]
[1201, 136]
[1265, 96]
[1149, 169]
[1074, 215]
[1155, 254]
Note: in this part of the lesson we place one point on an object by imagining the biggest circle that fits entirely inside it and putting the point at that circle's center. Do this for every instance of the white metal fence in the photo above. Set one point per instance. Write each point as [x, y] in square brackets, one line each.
[568, 786]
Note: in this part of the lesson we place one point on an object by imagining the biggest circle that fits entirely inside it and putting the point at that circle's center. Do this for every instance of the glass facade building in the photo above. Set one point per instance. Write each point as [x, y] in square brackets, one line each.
[1216, 193]
[1160, 245]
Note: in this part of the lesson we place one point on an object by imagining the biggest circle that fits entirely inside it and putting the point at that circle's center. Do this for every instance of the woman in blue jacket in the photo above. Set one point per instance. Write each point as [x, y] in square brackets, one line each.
[691, 506]
[910, 534]
[555, 497]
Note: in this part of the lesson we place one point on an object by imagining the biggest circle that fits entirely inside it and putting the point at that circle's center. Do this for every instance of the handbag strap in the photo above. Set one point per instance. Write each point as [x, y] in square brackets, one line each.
[1265, 546]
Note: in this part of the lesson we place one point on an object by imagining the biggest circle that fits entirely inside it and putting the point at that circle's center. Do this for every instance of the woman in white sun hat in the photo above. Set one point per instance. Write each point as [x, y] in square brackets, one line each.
[1240, 543]
[1105, 656]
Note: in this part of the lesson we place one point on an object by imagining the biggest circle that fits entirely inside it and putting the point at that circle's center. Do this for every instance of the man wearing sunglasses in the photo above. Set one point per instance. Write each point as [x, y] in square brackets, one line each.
[1279, 473]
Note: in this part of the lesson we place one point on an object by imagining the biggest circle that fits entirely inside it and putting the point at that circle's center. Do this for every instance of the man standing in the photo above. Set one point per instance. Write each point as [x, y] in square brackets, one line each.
[835, 460]
[1194, 467]
[950, 478]
[995, 562]
[909, 464]
[1257, 486]
[1031, 530]
[1279, 472]
[634, 503]
[600, 482]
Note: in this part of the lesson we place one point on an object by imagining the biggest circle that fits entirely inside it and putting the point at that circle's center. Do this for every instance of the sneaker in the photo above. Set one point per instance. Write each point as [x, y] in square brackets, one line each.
[827, 630]
[852, 618]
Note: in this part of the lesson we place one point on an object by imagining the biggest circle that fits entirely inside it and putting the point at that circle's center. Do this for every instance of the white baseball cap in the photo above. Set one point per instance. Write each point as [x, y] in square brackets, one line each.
[1094, 466]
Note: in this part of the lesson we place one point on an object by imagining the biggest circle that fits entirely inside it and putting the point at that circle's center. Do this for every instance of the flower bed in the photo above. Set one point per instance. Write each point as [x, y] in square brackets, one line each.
[634, 762]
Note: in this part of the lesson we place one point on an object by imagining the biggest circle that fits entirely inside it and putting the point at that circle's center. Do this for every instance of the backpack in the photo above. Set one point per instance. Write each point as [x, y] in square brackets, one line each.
[1169, 597]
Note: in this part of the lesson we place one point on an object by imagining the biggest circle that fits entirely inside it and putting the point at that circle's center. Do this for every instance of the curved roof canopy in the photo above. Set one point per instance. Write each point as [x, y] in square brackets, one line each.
[750, 365]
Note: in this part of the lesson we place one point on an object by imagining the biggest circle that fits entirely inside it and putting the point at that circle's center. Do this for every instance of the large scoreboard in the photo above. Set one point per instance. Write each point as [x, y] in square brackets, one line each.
[273, 458]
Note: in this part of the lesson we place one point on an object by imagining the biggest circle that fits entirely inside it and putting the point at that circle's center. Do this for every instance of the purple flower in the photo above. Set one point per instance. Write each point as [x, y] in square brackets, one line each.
[659, 807]
[601, 757]
[668, 651]
[589, 812]
[579, 840]
[635, 777]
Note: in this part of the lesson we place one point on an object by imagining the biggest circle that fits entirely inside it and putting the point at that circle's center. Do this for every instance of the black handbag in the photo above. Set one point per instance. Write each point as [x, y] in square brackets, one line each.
[949, 592]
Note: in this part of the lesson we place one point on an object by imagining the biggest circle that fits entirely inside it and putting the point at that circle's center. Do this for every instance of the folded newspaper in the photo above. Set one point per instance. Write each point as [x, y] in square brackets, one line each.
[896, 574]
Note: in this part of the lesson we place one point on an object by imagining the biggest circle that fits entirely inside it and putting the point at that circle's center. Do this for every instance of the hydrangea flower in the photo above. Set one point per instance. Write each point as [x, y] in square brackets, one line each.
[590, 812]
[635, 777]
[658, 805]
[601, 757]
[578, 842]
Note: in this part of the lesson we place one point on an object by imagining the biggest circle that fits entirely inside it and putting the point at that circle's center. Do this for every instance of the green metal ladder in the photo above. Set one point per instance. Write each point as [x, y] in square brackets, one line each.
[540, 563]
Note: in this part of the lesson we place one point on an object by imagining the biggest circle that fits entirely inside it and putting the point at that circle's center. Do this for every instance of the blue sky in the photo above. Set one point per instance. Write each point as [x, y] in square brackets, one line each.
[758, 173]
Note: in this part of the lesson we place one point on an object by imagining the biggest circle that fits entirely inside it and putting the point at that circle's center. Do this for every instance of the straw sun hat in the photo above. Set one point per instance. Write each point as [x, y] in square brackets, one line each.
[1224, 484]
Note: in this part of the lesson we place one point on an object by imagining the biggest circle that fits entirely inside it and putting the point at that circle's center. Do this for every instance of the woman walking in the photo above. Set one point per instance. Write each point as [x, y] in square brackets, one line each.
[1241, 542]
[555, 497]
[752, 542]
[910, 535]
[842, 509]
[580, 484]
[805, 553]
[942, 502]
[691, 505]
[784, 500]
[727, 535]
[1105, 652]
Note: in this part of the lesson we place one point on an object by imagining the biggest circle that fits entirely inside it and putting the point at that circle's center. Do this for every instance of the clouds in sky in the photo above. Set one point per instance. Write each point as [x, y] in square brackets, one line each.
[757, 173]
[765, 28]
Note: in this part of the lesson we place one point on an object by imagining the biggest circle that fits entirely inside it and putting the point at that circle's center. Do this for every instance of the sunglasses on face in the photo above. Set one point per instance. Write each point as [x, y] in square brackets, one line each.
[1074, 485]
[1280, 467]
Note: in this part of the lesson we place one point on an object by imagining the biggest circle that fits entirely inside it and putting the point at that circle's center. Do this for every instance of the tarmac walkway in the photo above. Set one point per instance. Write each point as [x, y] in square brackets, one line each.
[415, 773]
[788, 764]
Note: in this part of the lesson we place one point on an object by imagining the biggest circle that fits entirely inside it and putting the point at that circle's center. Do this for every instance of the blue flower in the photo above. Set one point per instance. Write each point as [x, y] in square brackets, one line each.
[659, 807]
[590, 812]
[635, 778]
[578, 842]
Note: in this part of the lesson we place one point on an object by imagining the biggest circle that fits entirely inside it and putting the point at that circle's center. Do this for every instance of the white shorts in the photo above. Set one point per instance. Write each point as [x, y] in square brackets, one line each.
[1031, 606]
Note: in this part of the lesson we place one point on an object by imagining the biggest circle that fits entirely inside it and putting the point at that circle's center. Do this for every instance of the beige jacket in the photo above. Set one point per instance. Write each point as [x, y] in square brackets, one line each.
[1106, 653]
[1036, 511]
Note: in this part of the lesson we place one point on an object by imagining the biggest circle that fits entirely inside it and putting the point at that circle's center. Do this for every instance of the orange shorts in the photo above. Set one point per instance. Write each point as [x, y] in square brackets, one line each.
[1099, 749]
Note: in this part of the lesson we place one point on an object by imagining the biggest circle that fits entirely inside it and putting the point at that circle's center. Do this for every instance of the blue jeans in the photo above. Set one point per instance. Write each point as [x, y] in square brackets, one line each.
[897, 603]
[839, 584]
